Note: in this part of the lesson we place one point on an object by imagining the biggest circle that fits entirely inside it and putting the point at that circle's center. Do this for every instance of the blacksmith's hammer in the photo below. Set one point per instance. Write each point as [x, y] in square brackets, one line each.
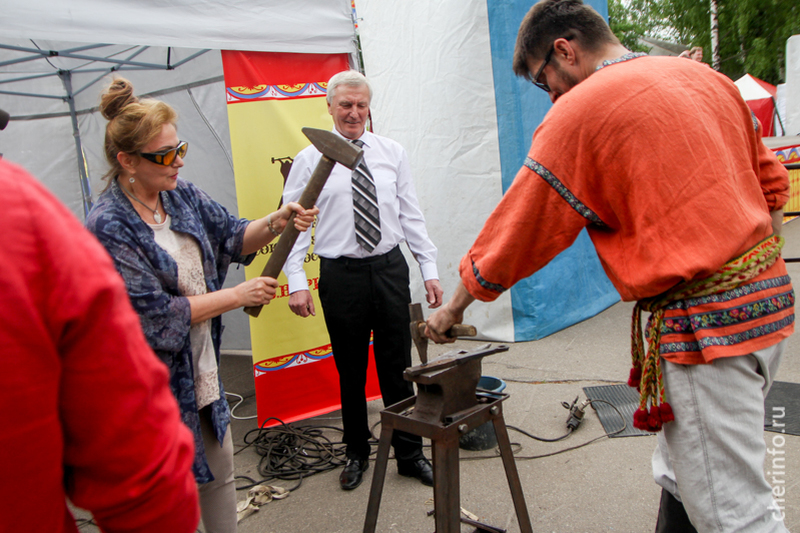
[418, 331]
[334, 150]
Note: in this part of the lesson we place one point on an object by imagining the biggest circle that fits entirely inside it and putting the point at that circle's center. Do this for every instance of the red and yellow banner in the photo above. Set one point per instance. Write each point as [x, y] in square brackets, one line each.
[271, 96]
[790, 155]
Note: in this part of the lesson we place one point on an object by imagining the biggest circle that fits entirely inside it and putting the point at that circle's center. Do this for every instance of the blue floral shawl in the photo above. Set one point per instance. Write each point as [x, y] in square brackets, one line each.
[151, 277]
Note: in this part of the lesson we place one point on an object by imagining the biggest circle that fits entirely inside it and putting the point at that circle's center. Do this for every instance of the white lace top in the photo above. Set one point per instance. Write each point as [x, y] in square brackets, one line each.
[191, 281]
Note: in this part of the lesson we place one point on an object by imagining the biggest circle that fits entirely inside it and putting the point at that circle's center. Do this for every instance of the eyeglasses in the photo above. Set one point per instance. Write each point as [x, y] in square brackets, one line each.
[535, 78]
[167, 157]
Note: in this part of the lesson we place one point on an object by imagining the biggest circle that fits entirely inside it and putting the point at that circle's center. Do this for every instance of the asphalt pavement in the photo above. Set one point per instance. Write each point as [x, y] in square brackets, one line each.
[586, 483]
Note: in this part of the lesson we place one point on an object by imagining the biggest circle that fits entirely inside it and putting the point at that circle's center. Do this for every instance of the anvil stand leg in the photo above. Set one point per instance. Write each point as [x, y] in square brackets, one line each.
[378, 475]
[446, 484]
[510, 466]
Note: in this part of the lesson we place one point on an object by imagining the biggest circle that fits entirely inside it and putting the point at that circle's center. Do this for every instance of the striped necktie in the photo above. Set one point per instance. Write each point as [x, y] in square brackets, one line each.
[365, 206]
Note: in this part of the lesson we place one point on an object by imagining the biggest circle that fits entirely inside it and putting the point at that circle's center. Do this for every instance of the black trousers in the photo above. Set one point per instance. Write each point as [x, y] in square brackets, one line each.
[672, 517]
[359, 297]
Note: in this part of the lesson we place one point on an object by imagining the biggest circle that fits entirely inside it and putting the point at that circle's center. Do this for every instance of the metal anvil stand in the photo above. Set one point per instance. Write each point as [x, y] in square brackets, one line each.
[447, 406]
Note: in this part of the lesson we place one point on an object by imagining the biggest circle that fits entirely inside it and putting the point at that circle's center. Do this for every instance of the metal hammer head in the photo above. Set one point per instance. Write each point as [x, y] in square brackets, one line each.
[334, 147]
[420, 340]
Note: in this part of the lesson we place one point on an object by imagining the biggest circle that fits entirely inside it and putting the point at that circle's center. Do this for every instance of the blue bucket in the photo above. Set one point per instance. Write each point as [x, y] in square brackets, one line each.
[483, 436]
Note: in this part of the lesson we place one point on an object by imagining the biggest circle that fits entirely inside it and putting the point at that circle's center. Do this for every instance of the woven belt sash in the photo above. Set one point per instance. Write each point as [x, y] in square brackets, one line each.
[645, 375]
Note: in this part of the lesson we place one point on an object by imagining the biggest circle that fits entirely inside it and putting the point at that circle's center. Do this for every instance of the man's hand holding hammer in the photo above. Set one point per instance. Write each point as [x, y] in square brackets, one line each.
[450, 314]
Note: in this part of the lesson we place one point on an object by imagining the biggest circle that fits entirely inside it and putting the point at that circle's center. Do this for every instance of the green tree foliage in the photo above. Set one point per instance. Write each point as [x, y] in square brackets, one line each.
[752, 33]
[629, 23]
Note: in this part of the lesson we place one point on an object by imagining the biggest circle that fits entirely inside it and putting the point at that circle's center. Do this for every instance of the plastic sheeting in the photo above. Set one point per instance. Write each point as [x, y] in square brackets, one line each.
[793, 85]
[40, 134]
[300, 26]
[45, 146]
[308, 26]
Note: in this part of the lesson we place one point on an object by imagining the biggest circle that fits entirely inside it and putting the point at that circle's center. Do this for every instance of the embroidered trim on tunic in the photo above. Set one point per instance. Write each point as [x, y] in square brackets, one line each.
[726, 317]
[732, 294]
[565, 193]
[620, 59]
[755, 121]
[485, 284]
[727, 340]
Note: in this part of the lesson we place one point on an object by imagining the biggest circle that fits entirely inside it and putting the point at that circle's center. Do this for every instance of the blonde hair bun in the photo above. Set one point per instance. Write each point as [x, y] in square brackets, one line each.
[118, 95]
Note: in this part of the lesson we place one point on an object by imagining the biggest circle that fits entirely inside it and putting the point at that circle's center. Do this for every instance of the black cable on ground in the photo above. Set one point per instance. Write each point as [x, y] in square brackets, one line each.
[291, 453]
[589, 402]
[541, 439]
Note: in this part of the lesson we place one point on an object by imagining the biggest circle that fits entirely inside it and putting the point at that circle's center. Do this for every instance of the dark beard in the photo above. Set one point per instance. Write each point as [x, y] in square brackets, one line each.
[567, 79]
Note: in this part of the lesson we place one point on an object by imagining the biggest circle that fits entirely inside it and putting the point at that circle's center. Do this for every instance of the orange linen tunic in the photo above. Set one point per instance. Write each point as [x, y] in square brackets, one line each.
[660, 160]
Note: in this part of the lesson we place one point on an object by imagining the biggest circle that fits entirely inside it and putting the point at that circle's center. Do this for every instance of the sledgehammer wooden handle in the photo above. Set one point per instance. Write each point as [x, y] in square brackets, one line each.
[334, 149]
[290, 233]
[457, 330]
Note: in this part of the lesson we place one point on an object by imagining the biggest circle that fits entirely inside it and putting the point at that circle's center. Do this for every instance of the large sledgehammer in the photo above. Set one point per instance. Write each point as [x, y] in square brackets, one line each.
[334, 150]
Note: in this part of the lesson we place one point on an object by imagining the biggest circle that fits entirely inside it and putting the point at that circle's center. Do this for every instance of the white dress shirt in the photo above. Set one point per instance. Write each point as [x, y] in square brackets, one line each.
[401, 216]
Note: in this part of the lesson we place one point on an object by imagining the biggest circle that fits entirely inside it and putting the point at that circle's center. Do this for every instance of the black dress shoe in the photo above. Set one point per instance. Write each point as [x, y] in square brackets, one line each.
[350, 477]
[419, 468]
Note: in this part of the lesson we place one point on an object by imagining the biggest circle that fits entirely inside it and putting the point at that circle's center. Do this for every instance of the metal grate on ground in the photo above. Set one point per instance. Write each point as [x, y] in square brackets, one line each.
[625, 399]
[782, 408]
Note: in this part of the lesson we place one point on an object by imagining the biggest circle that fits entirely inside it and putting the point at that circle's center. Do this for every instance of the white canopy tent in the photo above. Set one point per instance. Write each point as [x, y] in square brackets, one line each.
[439, 78]
[299, 26]
[51, 88]
[52, 72]
[761, 97]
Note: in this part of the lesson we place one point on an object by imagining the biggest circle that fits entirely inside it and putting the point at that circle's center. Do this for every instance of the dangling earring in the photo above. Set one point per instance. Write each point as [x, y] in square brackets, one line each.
[131, 180]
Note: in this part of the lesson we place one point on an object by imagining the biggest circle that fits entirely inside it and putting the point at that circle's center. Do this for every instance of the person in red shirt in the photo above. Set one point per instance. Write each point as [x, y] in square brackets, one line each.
[683, 204]
[88, 415]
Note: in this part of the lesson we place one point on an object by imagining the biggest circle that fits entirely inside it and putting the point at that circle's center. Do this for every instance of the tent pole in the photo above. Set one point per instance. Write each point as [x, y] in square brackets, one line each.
[86, 193]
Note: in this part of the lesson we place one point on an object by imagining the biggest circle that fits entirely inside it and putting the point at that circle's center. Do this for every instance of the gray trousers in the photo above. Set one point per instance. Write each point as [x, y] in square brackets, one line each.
[218, 497]
[712, 456]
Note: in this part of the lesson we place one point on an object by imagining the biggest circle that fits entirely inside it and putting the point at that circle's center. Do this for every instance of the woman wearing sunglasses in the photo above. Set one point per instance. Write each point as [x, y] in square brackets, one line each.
[172, 244]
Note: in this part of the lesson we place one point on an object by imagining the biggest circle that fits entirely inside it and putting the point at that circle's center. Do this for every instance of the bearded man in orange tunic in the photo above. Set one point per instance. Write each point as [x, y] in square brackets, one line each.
[683, 203]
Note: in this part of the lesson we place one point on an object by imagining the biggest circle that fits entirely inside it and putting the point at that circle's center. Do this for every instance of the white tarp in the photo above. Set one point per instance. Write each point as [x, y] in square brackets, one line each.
[434, 93]
[300, 26]
[68, 27]
[792, 116]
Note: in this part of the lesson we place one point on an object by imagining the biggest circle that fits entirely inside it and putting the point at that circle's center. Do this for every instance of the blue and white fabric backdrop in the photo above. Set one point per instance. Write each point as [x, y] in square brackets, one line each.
[444, 88]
